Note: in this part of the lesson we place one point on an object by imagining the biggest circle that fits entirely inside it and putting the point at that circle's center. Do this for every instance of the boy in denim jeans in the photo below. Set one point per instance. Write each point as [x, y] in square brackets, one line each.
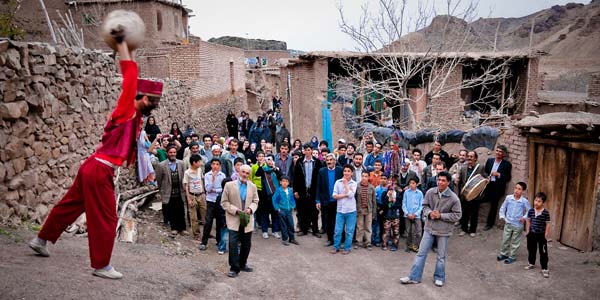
[412, 206]
[514, 212]
[284, 204]
[222, 245]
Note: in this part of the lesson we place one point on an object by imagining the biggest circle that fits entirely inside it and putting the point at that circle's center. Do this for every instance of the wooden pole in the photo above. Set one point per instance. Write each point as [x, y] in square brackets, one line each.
[48, 21]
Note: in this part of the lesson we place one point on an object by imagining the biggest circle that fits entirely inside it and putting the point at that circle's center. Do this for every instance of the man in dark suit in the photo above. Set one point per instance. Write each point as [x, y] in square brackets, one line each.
[499, 170]
[305, 184]
[325, 203]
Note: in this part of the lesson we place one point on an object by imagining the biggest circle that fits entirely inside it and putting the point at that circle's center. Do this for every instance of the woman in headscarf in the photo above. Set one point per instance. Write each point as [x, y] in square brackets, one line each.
[144, 164]
[151, 128]
[176, 132]
[314, 142]
[297, 146]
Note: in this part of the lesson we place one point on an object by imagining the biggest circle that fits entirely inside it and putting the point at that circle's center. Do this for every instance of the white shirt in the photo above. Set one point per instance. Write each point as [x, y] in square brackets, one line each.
[348, 203]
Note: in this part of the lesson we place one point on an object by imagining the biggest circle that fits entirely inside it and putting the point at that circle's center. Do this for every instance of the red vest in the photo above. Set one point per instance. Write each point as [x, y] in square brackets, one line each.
[120, 140]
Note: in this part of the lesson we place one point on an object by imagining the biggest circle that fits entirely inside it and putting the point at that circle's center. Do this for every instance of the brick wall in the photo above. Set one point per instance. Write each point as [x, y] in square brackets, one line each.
[214, 73]
[308, 89]
[272, 56]
[594, 87]
[445, 111]
[527, 90]
[518, 154]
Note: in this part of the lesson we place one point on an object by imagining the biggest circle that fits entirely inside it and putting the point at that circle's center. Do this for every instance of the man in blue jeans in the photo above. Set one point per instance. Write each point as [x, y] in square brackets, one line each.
[344, 191]
[441, 208]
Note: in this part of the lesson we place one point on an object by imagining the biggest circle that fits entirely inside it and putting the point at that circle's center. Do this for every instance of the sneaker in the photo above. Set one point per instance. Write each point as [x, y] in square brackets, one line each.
[285, 243]
[40, 249]
[355, 246]
[265, 235]
[510, 260]
[472, 234]
[294, 242]
[545, 273]
[462, 233]
[394, 248]
[202, 247]
[108, 274]
[384, 248]
[529, 267]
[501, 257]
[439, 283]
[276, 235]
[407, 280]
[334, 251]
[369, 247]
[345, 252]
[221, 252]
[232, 274]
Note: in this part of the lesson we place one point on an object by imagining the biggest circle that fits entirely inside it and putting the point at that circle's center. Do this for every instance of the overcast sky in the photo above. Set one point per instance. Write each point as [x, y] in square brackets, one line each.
[310, 25]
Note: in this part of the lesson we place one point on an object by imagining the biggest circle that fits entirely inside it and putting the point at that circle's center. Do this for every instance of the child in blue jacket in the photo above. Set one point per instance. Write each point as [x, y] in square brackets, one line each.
[284, 203]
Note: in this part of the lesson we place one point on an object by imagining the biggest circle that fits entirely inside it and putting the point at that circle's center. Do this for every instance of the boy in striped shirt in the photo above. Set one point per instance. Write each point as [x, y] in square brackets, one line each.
[538, 231]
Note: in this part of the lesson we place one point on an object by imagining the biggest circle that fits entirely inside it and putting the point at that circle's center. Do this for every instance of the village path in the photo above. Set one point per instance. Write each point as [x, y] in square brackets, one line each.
[159, 267]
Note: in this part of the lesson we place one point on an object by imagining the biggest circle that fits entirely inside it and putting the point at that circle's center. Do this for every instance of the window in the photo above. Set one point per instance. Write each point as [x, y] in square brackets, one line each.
[158, 21]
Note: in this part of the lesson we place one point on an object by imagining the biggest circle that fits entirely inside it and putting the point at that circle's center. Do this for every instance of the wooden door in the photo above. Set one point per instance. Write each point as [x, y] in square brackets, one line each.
[579, 209]
[551, 166]
[567, 173]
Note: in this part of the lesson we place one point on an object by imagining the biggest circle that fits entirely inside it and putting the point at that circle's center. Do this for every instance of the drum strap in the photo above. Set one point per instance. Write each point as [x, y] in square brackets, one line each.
[473, 173]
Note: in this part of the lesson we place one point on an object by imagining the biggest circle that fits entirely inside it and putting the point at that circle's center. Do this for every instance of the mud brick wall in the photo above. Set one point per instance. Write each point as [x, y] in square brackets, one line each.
[54, 104]
[594, 87]
[308, 89]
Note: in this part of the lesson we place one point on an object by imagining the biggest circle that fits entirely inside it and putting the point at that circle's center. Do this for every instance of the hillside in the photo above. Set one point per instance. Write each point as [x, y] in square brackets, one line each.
[569, 33]
[251, 44]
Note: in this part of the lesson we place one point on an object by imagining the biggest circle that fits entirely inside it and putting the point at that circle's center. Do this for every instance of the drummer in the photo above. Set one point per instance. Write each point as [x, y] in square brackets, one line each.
[468, 221]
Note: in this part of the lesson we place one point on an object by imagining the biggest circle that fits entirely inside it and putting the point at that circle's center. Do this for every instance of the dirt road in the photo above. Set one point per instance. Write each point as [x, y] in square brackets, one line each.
[160, 267]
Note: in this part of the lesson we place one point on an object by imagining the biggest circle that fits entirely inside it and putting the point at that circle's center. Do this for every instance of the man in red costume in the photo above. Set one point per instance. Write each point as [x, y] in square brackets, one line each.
[92, 191]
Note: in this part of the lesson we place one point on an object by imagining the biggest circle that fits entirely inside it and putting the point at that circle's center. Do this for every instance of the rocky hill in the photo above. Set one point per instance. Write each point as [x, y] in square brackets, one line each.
[569, 33]
[251, 44]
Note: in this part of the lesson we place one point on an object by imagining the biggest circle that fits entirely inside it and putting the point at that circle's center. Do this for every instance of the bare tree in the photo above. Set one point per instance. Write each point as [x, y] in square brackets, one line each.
[395, 50]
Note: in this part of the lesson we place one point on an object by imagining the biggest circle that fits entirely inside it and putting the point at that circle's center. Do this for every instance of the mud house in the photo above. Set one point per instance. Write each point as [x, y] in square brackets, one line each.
[166, 20]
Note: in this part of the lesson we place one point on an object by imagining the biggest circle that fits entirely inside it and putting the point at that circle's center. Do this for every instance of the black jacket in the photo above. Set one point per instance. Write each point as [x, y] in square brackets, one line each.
[505, 170]
[299, 175]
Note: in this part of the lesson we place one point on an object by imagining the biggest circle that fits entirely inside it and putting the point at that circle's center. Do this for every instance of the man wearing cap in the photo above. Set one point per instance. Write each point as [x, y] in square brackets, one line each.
[341, 142]
[92, 191]
[499, 170]
[226, 165]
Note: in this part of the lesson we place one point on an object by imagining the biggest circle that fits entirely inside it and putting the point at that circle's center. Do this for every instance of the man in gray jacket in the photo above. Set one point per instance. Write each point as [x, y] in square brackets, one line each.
[441, 208]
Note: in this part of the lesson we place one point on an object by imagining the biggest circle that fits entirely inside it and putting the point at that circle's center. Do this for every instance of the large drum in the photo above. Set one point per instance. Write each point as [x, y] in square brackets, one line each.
[474, 187]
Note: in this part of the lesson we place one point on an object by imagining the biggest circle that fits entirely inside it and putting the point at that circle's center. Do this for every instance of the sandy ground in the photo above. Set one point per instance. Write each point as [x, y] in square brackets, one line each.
[161, 267]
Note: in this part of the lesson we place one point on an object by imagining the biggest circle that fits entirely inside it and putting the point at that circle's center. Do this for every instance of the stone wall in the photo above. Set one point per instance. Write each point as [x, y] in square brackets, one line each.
[54, 104]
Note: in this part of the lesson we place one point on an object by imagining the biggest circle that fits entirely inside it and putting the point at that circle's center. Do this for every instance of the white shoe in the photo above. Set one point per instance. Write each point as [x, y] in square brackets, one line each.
[439, 283]
[265, 235]
[472, 234]
[40, 249]
[109, 274]
[221, 252]
[407, 280]
[276, 235]
[462, 233]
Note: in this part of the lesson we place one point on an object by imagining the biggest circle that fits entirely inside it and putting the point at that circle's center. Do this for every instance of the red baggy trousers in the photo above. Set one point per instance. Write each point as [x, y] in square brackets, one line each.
[92, 193]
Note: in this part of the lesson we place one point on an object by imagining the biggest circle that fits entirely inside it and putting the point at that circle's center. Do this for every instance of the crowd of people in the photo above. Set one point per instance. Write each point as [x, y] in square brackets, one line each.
[357, 196]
